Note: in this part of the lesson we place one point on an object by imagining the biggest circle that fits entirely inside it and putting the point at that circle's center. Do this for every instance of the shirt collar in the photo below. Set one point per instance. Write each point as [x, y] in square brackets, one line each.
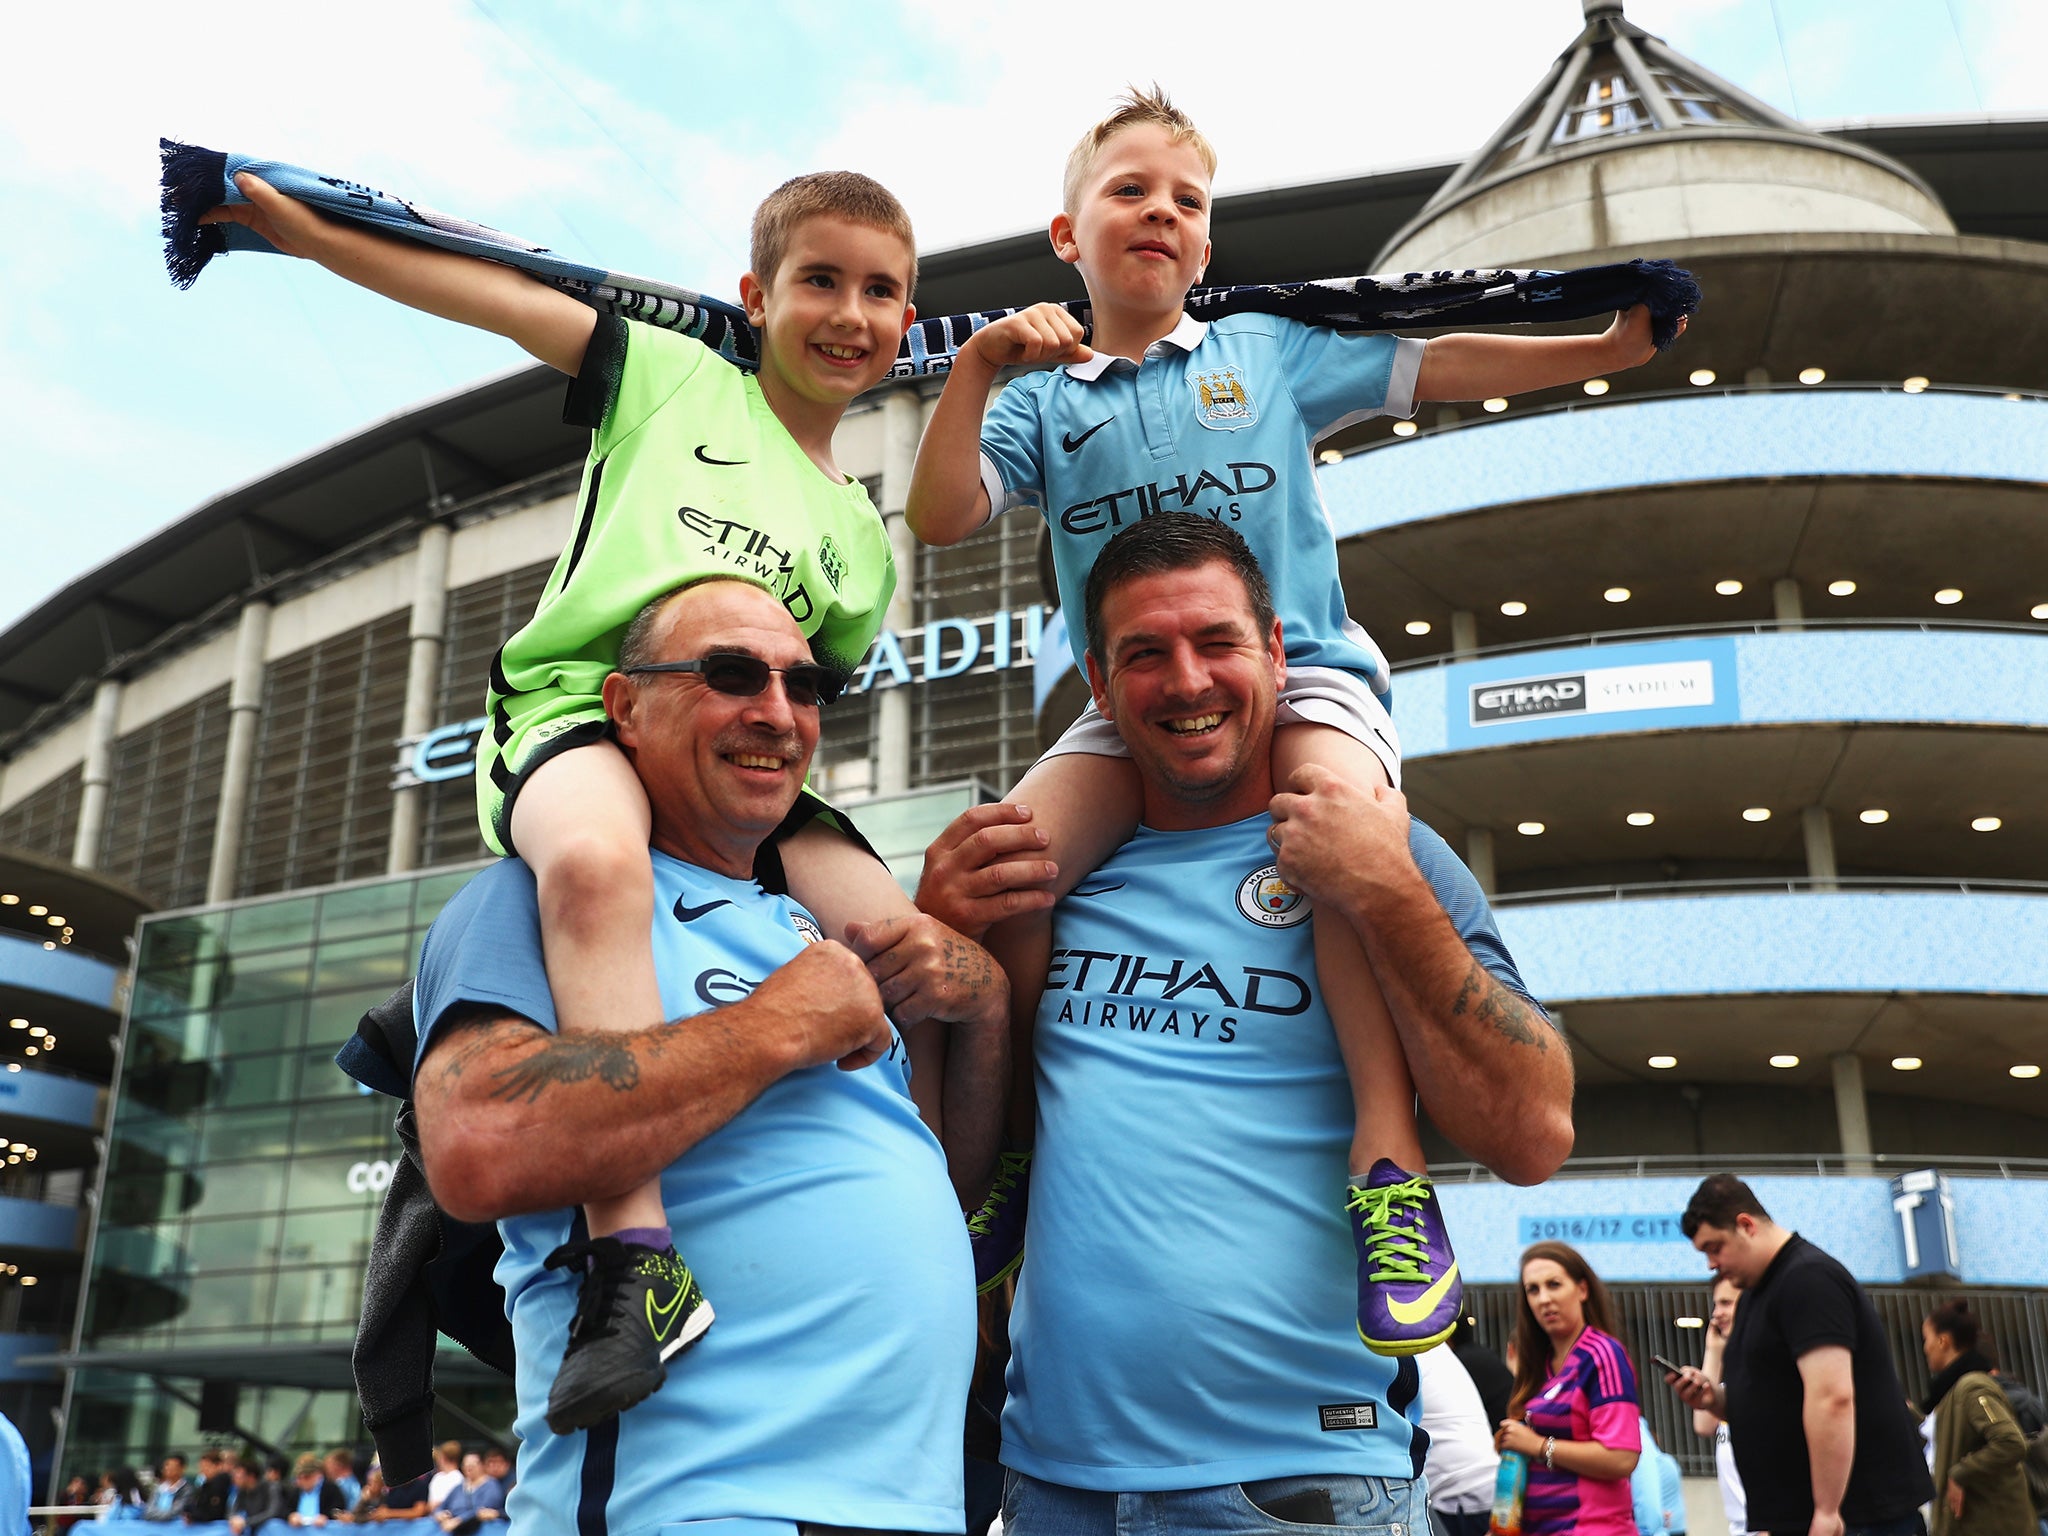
[1185, 336]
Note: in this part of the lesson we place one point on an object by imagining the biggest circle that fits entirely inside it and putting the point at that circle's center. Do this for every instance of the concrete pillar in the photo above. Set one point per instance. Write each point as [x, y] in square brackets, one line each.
[426, 632]
[1479, 857]
[1464, 633]
[1852, 1110]
[99, 774]
[902, 425]
[1756, 377]
[245, 709]
[1818, 832]
[1786, 605]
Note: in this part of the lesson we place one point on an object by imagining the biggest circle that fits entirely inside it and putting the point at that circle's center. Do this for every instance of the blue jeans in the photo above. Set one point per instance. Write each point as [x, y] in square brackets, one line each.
[1385, 1506]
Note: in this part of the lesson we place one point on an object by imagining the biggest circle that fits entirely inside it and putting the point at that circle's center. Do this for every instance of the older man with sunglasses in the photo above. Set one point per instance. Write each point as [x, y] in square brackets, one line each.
[775, 1106]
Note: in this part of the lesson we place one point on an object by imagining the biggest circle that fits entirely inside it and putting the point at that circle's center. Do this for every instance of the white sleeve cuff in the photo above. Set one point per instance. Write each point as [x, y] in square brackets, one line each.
[1402, 377]
[992, 482]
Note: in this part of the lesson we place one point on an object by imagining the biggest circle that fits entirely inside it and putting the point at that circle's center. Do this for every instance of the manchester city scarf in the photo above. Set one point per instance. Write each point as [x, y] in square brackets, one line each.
[195, 180]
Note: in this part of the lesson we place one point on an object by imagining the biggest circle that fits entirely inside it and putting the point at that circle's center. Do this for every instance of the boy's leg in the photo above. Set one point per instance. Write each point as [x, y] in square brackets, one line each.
[581, 822]
[1404, 1251]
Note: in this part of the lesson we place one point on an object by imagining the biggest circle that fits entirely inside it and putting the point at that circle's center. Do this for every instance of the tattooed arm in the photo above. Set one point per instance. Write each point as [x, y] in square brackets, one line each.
[1490, 1068]
[513, 1118]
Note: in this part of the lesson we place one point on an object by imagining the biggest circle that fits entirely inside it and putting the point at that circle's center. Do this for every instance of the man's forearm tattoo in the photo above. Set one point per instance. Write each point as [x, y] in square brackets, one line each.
[569, 1060]
[1491, 1003]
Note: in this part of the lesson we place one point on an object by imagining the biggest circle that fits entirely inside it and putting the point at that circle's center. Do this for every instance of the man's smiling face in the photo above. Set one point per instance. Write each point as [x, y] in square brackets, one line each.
[1191, 683]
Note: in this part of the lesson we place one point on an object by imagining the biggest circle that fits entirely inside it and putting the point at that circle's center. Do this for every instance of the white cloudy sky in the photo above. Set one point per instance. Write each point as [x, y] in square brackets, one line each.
[640, 134]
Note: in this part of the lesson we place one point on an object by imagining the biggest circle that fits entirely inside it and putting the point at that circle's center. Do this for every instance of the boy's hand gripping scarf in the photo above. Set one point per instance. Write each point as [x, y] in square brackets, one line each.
[195, 180]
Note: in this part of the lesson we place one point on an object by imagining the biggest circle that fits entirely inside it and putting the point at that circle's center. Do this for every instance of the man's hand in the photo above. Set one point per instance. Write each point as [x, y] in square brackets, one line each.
[1339, 842]
[828, 1002]
[285, 222]
[1825, 1523]
[984, 868]
[1628, 338]
[1043, 336]
[924, 970]
[1695, 1389]
[1954, 1494]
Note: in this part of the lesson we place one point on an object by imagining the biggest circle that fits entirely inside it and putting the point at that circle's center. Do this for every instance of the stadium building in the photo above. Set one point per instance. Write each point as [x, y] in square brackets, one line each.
[1726, 674]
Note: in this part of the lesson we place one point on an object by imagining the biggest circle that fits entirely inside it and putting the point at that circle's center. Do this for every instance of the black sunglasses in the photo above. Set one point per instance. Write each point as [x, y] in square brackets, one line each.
[731, 672]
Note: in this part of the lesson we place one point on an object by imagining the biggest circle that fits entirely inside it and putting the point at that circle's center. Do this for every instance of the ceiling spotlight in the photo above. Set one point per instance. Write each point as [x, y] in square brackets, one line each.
[17, 1023]
[1729, 587]
[1784, 1061]
[1757, 813]
[10, 900]
[1417, 626]
[1595, 386]
[1949, 596]
[2038, 611]
[1495, 406]
[14, 1157]
[1663, 1063]
[31, 1050]
[57, 922]
[1688, 1322]
[1812, 375]
[1514, 608]
[1616, 594]
[1985, 823]
[1873, 817]
[37, 911]
[1915, 384]
[1905, 1063]
[28, 1279]
[1841, 588]
[1331, 456]
[1529, 828]
[37, 1029]
[2023, 1069]
[14, 1066]
[1640, 818]
[1404, 429]
[1701, 376]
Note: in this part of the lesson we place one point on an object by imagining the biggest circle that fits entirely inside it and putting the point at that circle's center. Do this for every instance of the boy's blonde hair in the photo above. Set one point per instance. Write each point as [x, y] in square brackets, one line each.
[844, 194]
[1134, 107]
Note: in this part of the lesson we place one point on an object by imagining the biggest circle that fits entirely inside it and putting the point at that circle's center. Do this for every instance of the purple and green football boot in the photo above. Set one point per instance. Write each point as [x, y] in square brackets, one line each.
[1409, 1294]
[996, 1231]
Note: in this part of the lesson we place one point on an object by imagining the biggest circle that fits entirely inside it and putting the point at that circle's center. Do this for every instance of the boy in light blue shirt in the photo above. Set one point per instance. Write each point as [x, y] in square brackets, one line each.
[1160, 412]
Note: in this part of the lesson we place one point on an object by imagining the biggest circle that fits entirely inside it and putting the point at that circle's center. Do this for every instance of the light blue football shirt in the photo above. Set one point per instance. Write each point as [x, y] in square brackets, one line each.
[821, 1223]
[1186, 1314]
[1222, 418]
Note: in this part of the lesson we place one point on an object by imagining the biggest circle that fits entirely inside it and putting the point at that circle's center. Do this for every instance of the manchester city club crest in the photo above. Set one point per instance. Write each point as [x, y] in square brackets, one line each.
[1222, 403]
[812, 933]
[1264, 898]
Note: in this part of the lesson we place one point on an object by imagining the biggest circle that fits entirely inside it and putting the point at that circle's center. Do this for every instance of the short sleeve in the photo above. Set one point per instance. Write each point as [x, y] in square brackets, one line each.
[629, 369]
[1465, 904]
[1815, 1308]
[1609, 1384]
[1338, 379]
[1011, 468]
[484, 951]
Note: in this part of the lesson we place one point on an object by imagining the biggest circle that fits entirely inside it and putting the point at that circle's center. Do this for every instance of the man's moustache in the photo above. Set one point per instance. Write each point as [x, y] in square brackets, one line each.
[788, 746]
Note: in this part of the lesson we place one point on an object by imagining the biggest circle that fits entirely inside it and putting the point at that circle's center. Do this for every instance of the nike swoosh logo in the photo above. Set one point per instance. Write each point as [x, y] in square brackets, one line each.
[1100, 890]
[667, 1314]
[691, 914]
[1409, 1313]
[705, 458]
[1072, 443]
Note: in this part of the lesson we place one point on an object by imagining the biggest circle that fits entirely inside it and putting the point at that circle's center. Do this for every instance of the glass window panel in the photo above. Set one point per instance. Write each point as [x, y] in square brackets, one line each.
[238, 1242]
[321, 1181]
[330, 1294]
[330, 1237]
[252, 1080]
[433, 891]
[332, 1019]
[239, 1189]
[136, 1200]
[273, 924]
[248, 1134]
[274, 973]
[263, 1027]
[379, 962]
[380, 908]
[320, 1078]
[353, 1125]
[235, 1301]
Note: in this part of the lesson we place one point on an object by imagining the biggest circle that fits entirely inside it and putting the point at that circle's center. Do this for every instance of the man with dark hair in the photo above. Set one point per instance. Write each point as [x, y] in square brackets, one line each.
[208, 1502]
[1184, 1342]
[1818, 1420]
[1489, 1372]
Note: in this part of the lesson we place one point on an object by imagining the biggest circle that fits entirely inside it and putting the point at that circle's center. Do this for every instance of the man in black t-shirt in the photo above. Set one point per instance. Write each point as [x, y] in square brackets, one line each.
[1812, 1399]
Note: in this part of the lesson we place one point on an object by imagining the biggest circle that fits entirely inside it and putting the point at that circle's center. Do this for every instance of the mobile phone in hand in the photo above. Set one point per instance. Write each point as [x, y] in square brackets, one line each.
[1670, 1365]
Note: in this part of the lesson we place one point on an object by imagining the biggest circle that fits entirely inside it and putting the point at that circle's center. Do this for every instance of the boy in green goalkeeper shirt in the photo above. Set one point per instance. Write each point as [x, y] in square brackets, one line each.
[696, 469]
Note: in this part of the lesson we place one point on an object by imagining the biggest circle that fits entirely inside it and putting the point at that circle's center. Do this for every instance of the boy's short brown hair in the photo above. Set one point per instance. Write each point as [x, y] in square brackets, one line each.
[1134, 107]
[845, 194]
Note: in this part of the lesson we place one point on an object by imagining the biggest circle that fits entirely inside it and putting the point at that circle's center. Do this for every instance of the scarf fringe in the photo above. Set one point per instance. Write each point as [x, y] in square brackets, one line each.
[192, 181]
[1673, 295]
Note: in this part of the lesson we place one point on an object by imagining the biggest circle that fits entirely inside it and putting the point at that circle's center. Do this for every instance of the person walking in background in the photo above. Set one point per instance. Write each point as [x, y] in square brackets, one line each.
[1574, 1412]
[1822, 1435]
[1979, 1448]
[1489, 1373]
[1461, 1461]
[1709, 1423]
[1656, 1490]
